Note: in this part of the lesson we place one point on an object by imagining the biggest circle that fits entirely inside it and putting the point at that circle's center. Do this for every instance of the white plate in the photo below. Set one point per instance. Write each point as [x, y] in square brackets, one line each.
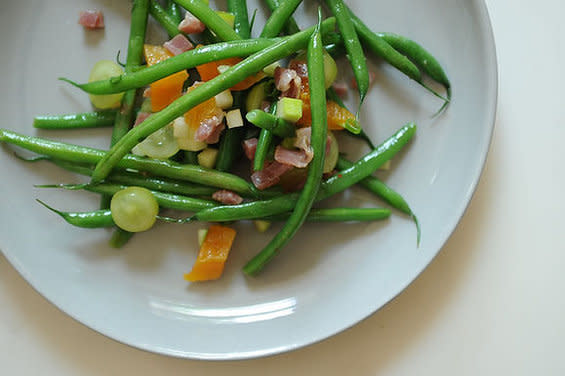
[328, 278]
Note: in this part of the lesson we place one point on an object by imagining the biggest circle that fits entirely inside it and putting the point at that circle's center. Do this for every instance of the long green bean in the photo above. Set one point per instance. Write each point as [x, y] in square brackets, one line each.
[135, 179]
[124, 117]
[386, 193]
[185, 60]
[355, 53]
[103, 218]
[339, 215]
[379, 46]
[79, 120]
[319, 128]
[169, 169]
[165, 200]
[201, 93]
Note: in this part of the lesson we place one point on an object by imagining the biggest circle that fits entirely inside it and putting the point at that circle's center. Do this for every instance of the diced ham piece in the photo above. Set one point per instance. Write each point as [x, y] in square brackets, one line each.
[300, 67]
[178, 45]
[210, 129]
[288, 82]
[191, 24]
[295, 158]
[302, 142]
[91, 19]
[141, 116]
[249, 147]
[340, 89]
[269, 175]
[227, 197]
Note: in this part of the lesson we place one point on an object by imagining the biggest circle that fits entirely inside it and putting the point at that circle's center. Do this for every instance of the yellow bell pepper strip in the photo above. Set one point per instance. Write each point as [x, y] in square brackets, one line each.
[167, 89]
[213, 254]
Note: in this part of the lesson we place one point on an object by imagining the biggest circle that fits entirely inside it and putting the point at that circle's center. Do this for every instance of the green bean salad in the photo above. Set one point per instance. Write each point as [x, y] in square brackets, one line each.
[190, 114]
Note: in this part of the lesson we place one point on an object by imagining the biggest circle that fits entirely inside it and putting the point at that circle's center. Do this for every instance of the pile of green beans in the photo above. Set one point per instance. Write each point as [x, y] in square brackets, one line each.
[180, 183]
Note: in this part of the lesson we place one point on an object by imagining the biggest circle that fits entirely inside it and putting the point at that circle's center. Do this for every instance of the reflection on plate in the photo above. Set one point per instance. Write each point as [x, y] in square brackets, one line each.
[327, 279]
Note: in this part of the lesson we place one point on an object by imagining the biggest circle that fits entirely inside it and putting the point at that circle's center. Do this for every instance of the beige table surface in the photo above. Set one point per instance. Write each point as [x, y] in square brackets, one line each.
[492, 302]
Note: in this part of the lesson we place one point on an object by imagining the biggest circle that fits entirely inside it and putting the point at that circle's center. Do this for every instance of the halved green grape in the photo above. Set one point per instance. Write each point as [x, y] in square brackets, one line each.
[134, 209]
[330, 69]
[161, 144]
[103, 70]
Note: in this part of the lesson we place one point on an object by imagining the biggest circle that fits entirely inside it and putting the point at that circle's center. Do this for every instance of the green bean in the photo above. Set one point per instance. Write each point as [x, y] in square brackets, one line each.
[138, 26]
[332, 95]
[318, 142]
[200, 93]
[79, 120]
[361, 169]
[279, 17]
[421, 57]
[241, 21]
[383, 191]
[174, 11]
[291, 27]
[379, 188]
[165, 200]
[119, 238]
[185, 60]
[164, 168]
[339, 215]
[124, 117]
[190, 157]
[103, 218]
[278, 126]
[167, 21]
[230, 149]
[263, 144]
[94, 219]
[215, 23]
[379, 46]
[135, 179]
[355, 53]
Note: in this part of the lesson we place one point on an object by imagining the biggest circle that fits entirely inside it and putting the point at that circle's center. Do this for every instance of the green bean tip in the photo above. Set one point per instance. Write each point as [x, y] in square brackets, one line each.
[70, 187]
[64, 79]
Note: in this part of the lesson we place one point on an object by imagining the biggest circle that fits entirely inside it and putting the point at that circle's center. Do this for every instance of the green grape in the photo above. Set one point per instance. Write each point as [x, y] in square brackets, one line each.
[103, 70]
[134, 209]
